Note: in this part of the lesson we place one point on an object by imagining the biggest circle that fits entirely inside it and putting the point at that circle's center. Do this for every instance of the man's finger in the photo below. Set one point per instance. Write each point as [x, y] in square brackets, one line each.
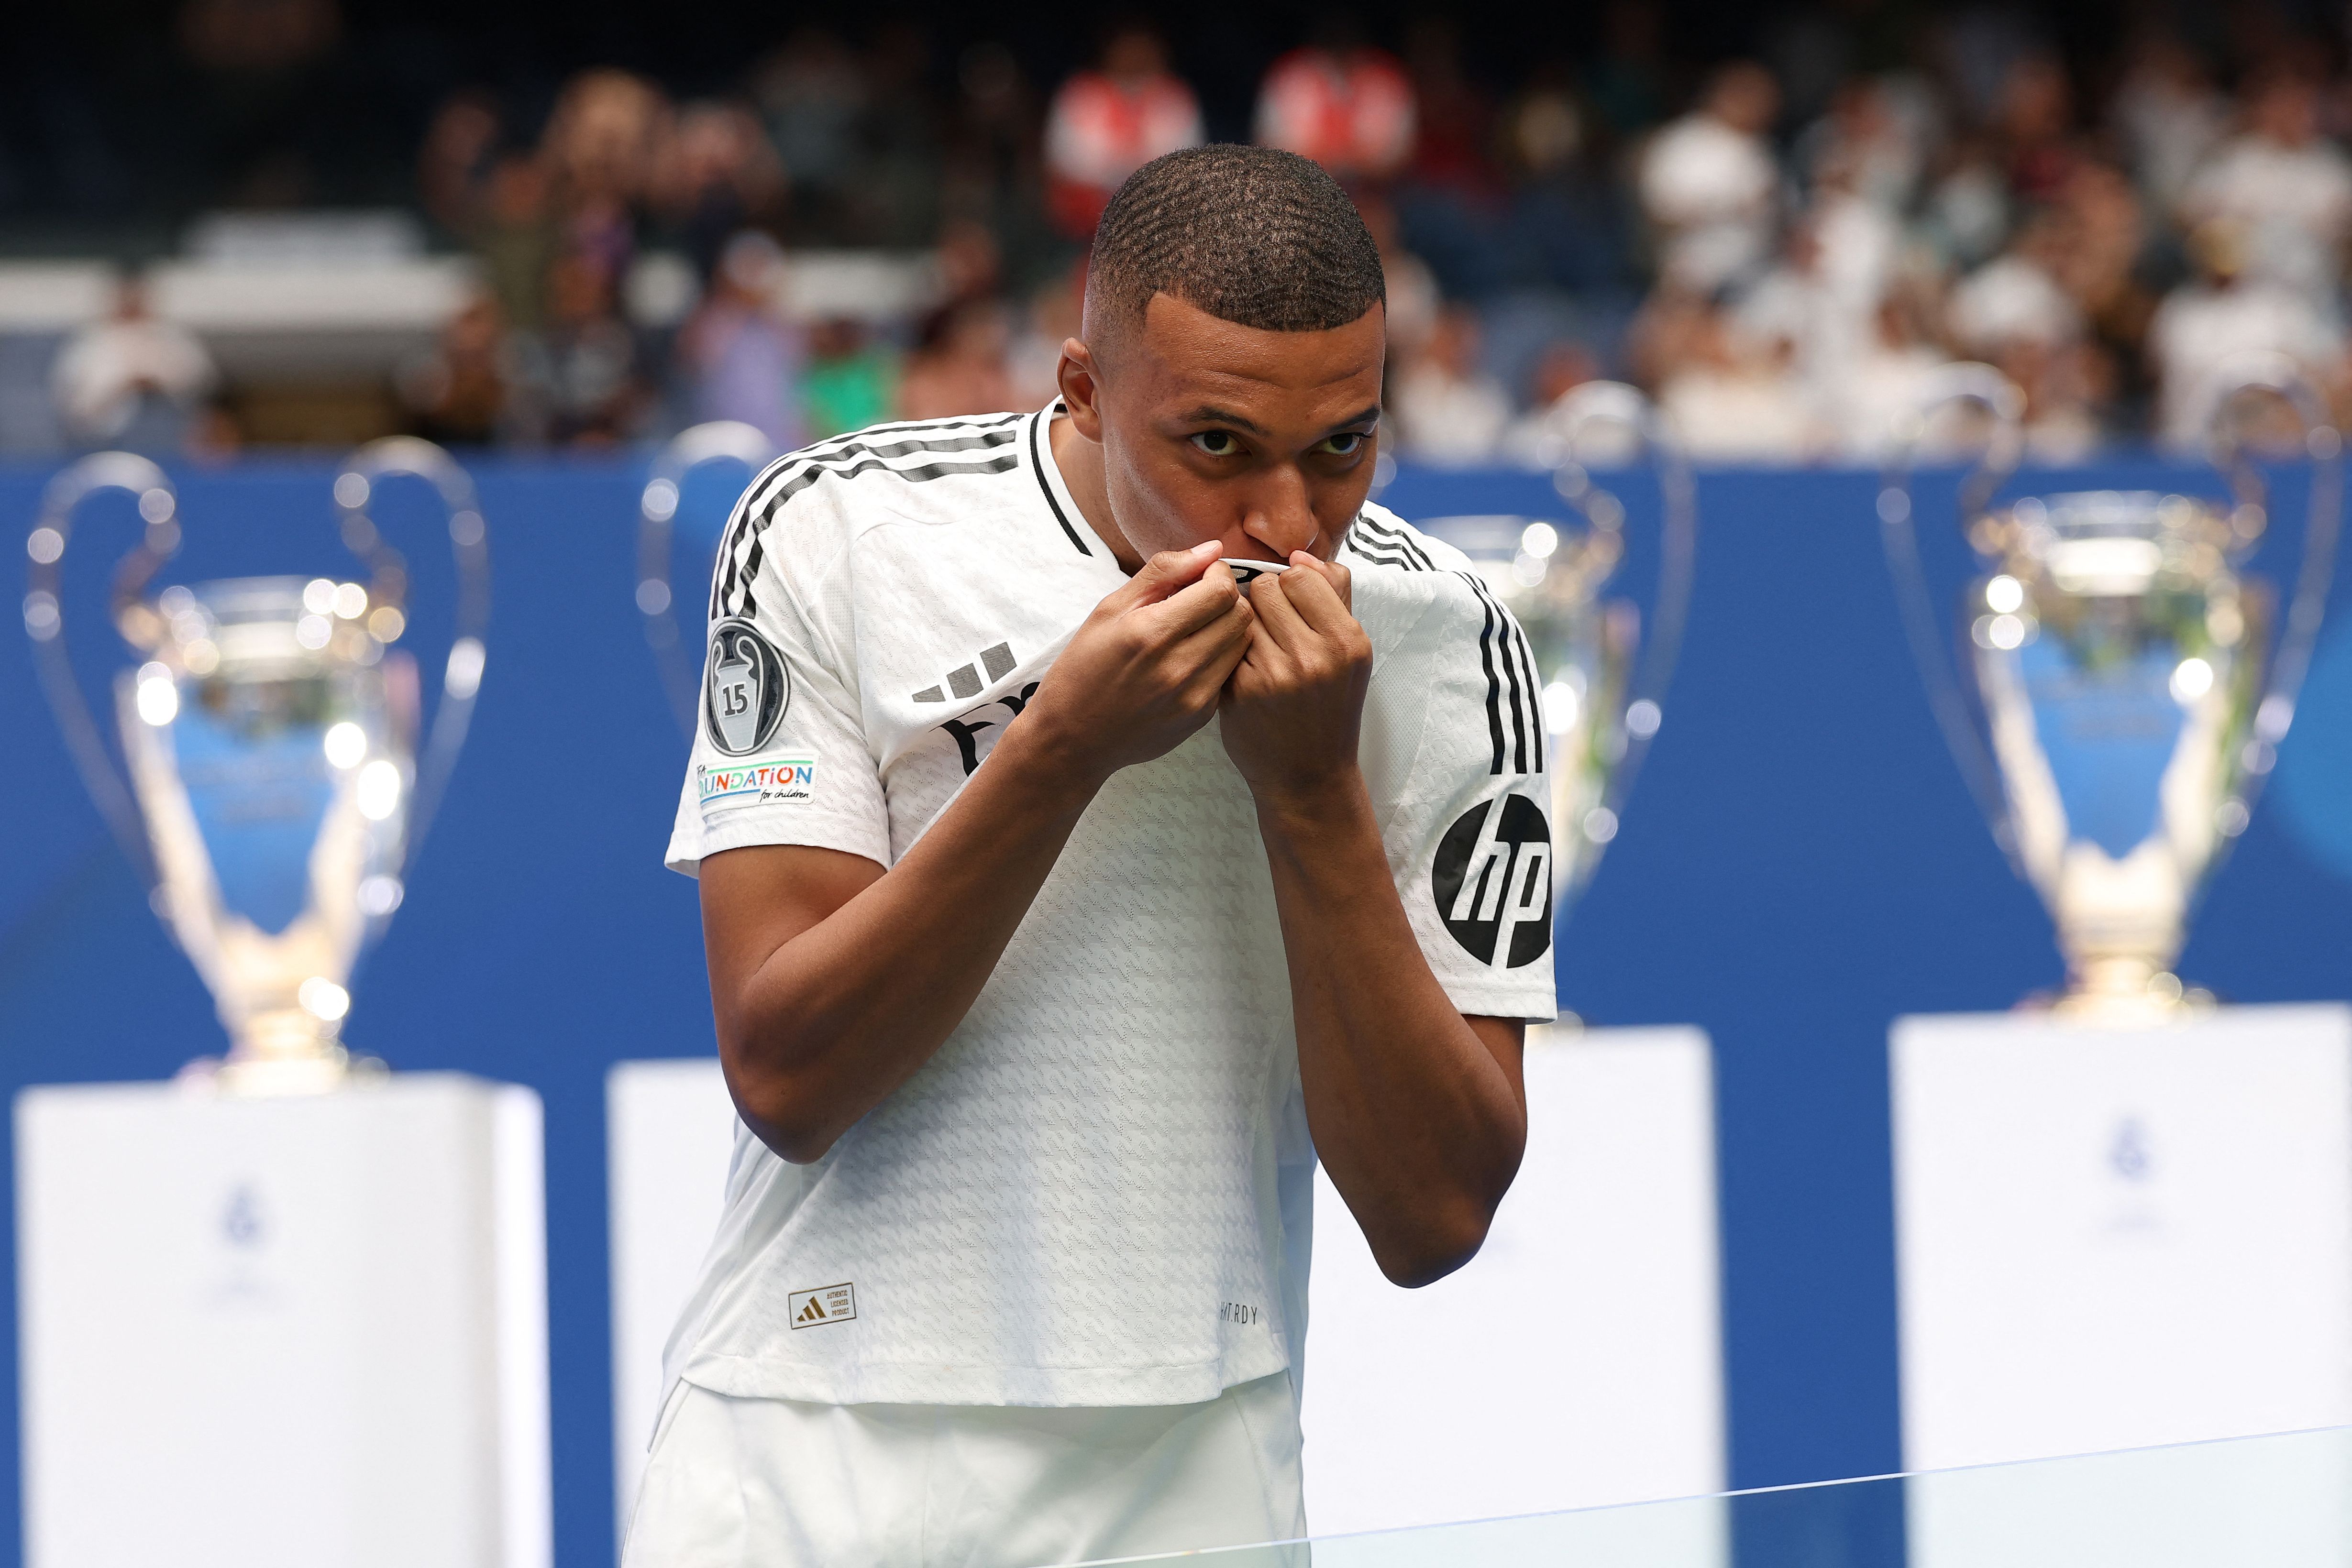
[1277, 615]
[1170, 572]
[1220, 642]
[1195, 605]
[1320, 601]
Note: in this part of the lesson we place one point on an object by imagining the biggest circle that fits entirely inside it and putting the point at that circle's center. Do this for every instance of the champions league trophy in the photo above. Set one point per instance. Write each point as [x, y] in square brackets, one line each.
[657, 509]
[274, 789]
[1602, 687]
[2118, 710]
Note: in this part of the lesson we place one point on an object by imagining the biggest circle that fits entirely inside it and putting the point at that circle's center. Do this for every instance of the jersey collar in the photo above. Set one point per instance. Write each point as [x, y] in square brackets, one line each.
[1038, 439]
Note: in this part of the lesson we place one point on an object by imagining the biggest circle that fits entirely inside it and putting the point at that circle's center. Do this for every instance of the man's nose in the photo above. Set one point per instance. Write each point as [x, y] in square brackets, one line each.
[1279, 516]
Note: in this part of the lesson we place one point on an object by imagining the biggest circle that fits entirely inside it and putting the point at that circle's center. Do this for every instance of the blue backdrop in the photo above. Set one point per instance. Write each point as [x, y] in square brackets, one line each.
[1799, 864]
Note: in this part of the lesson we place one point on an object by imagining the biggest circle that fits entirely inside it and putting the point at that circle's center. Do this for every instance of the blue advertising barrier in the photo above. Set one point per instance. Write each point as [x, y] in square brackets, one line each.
[1799, 864]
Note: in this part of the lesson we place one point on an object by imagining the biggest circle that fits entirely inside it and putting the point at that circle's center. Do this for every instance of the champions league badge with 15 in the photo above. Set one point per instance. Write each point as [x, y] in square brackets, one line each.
[745, 690]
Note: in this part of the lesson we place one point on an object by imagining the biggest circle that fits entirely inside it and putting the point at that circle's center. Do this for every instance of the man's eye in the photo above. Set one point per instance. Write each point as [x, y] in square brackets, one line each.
[1347, 443]
[1217, 442]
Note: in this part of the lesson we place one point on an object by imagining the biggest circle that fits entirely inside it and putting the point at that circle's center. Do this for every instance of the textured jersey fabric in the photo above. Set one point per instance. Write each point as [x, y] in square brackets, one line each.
[762, 1483]
[1097, 1191]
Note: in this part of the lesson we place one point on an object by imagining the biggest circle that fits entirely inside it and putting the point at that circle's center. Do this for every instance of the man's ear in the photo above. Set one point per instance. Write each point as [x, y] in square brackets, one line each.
[1081, 383]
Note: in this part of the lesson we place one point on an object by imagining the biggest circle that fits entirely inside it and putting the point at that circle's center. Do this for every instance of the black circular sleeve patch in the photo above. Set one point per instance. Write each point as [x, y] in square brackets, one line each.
[1492, 882]
[745, 688]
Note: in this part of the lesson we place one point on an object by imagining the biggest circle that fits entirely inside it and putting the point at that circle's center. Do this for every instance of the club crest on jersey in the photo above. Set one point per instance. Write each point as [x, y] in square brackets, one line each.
[745, 688]
[1492, 882]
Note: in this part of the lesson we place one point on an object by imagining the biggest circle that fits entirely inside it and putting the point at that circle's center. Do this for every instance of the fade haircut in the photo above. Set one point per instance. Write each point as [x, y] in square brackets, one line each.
[1256, 237]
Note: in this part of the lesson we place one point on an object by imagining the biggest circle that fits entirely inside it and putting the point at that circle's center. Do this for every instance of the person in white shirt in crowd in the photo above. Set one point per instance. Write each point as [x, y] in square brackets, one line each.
[1710, 186]
[2226, 312]
[2013, 314]
[2169, 116]
[131, 379]
[1108, 122]
[1822, 296]
[1447, 408]
[1890, 378]
[1066, 904]
[2284, 187]
[1733, 396]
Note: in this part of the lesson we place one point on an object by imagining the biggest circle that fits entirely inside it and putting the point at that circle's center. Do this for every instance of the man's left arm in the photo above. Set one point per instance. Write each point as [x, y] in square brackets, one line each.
[1418, 1113]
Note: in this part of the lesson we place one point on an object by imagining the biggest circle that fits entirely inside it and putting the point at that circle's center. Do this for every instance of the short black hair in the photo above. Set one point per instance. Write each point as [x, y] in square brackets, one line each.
[1253, 235]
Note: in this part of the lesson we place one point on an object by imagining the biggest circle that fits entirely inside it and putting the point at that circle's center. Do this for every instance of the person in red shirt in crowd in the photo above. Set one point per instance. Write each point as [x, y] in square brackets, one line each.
[1342, 102]
[1108, 122]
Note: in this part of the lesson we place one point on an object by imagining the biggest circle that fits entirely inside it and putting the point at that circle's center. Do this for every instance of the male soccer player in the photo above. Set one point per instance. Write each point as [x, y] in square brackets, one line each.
[1065, 903]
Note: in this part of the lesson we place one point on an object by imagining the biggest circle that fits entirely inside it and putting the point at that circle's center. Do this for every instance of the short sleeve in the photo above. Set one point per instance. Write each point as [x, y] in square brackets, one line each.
[781, 754]
[1455, 755]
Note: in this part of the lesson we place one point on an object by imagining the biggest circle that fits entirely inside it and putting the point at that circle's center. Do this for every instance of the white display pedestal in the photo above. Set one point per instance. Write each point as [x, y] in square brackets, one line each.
[2114, 1239]
[1577, 1359]
[283, 1332]
[1576, 1362]
[669, 1134]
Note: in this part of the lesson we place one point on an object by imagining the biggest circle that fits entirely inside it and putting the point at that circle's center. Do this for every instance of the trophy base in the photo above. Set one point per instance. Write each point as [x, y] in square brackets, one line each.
[2124, 993]
[259, 1076]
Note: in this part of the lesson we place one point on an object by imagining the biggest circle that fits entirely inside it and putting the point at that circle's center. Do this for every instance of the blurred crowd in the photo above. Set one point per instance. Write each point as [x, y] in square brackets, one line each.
[1782, 249]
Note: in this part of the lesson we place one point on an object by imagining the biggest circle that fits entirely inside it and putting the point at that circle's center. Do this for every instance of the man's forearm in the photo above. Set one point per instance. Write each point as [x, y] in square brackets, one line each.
[1419, 1123]
[843, 1013]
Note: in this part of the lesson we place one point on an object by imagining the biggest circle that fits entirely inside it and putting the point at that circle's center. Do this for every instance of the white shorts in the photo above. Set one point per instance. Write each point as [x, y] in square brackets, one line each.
[776, 1483]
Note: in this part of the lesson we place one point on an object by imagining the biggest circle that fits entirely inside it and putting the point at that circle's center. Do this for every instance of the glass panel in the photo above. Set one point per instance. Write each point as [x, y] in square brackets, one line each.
[2282, 1501]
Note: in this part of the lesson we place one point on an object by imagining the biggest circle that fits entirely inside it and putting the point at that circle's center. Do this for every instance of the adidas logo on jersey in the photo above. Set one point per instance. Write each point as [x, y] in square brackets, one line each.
[825, 1304]
[964, 681]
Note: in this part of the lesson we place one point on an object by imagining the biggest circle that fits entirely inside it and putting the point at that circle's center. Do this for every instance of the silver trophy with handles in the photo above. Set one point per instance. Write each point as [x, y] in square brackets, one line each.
[273, 787]
[1603, 673]
[721, 441]
[2116, 700]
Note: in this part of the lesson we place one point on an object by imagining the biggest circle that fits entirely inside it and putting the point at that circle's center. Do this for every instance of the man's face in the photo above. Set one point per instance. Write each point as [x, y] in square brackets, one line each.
[1263, 440]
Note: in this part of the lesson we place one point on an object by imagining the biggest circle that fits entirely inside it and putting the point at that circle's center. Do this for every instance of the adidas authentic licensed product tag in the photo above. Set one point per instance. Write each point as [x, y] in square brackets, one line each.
[825, 1304]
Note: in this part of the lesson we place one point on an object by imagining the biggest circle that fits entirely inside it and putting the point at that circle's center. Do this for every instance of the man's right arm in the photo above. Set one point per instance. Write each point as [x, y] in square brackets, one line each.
[833, 980]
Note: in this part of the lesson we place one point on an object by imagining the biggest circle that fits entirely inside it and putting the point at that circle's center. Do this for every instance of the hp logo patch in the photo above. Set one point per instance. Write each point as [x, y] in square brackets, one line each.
[745, 688]
[1492, 882]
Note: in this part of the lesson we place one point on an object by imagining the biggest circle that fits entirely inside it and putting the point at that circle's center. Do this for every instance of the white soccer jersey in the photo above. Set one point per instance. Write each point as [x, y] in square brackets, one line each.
[1097, 1191]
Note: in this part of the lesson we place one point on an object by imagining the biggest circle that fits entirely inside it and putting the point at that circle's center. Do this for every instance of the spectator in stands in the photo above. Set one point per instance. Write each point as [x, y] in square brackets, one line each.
[1446, 407]
[580, 383]
[496, 200]
[851, 381]
[1539, 438]
[2286, 189]
[2167, 116]
[960, 368]
[741, 361]
[1108, 122]
[1342, 102]
[1054, 318]
[1709, 184]
[1889, 380]
[601, 146]
[457, 393]
[132, 380]
[993, 161]
[715, 174]
[2014, 314]
[2035, 121]
[1732, 395]
[2226, 313]
[813, 94]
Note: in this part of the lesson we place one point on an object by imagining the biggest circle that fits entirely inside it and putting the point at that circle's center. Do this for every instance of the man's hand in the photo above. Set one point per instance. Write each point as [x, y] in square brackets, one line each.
[1147, 668]
[1295, 703]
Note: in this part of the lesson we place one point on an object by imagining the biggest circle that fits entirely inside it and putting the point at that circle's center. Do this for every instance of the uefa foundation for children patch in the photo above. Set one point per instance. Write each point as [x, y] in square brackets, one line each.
[765, 781]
